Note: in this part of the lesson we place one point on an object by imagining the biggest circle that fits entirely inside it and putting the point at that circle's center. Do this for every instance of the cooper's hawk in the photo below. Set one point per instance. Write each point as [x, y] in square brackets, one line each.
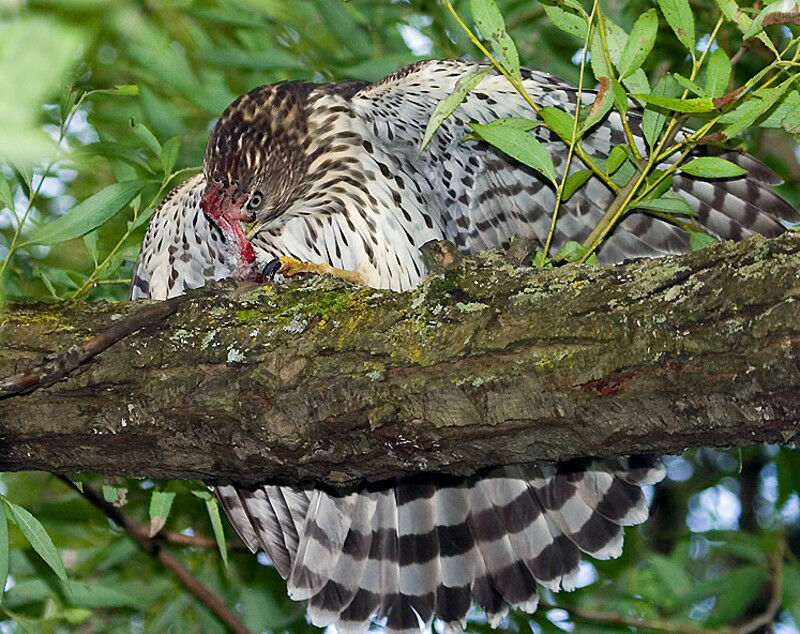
[333, 174]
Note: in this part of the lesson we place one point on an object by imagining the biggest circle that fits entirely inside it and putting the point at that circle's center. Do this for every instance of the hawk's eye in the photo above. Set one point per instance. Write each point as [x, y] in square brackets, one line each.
[255, 200]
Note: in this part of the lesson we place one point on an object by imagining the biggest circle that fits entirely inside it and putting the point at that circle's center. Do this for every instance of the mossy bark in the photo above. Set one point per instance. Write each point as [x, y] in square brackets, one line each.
[488, 363]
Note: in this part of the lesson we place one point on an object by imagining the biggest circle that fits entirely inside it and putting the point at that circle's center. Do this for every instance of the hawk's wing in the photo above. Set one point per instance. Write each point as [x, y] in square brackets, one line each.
[481, 197]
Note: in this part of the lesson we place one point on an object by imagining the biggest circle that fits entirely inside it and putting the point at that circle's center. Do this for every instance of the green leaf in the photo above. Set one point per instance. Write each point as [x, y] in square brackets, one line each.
[731, 10]
[492, 27]
[568, 16]
[757, 24]
[616, 158]
[616, 39]
[573, 251]
[85, 216]
[697, 104]
[620, 97]
[667, 205]
[506, 123]
[625, 173]
[112, 150]
[691, 86]
[660, 185]
[574, 182]
[673, 577]
[169, 154]
[98, 595]
[748, 547]
[38, 538]
[790, 597]
[718, 73]
[764, 99]
[679, 16]
[160, 505]
[519, 145]
[787, 109]
[447, 106]
[146, 137]
[36, 53]
[558, 121]
[345, 23]
[6, 196]
[652, 119]
[699, 240]
[603, 102]
[113, 495]
[125, 89]
[737, 591]
[90, 242]
[216, 525]
[791, 121]
[712, 167]
[639, 44]
[4, 550]
[788, 468]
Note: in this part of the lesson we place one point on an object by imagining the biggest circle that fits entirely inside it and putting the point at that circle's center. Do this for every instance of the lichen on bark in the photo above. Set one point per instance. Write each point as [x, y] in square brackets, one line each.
[487, 362]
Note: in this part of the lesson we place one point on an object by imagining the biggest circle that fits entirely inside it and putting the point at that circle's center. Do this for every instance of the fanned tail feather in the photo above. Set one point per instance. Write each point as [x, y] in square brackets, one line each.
[429, 545]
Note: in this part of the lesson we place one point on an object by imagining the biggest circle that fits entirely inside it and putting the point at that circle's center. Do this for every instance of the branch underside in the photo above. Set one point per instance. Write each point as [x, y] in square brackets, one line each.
[487, 364]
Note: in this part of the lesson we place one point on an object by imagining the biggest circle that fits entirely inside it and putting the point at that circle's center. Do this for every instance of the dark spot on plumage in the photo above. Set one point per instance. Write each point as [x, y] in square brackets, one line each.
[384, 170]
[367, 249]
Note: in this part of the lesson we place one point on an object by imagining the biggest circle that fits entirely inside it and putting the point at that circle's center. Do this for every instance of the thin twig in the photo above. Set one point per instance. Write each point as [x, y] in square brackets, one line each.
[738, 55]
[153, 548]
[197, 541]
[66, 362]
[616, 618]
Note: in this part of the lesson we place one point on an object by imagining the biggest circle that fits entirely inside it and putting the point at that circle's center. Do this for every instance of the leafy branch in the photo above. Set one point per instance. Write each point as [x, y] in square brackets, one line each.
[140, 184]
[641, 179]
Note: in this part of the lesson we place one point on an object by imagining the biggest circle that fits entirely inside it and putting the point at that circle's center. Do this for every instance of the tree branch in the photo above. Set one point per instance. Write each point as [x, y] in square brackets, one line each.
[488, 363]
[153, 548]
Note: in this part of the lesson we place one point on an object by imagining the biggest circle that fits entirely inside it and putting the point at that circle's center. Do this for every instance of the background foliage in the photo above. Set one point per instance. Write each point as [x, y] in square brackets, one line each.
[108, 103]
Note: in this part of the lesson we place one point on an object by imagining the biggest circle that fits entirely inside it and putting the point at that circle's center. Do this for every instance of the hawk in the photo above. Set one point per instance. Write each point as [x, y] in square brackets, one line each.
[332, 174]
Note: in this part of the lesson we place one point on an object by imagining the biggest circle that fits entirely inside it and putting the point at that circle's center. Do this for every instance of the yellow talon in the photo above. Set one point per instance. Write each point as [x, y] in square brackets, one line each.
[292, 266]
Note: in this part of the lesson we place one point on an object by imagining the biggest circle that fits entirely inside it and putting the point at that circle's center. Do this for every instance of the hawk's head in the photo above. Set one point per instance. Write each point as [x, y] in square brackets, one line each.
[255, 156]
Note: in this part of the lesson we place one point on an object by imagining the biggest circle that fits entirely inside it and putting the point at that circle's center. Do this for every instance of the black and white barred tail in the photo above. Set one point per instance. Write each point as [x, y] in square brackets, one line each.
[430, 545]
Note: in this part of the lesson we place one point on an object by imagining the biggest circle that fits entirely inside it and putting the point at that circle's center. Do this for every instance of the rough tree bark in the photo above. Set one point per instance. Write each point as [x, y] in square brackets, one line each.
[486, 363]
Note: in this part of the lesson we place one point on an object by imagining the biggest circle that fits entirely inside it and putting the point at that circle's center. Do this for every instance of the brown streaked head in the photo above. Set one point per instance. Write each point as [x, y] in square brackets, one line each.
[255, 156]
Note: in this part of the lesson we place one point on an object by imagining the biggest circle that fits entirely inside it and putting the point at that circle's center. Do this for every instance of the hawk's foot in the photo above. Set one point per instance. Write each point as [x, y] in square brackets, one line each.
[290, 267]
